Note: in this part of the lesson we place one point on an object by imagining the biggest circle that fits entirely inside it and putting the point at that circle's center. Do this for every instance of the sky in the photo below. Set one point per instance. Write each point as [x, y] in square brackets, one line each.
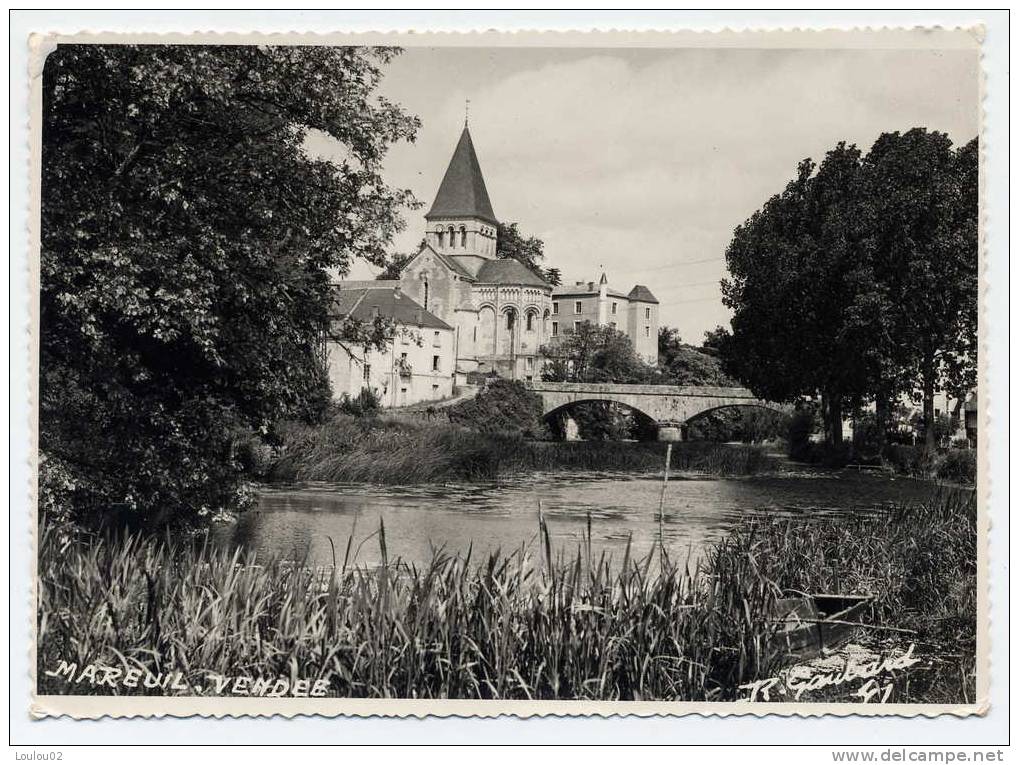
[641, 162]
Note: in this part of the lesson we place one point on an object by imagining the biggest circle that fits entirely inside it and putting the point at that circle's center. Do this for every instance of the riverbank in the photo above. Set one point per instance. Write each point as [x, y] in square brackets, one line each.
[389, 449]
[533, 624]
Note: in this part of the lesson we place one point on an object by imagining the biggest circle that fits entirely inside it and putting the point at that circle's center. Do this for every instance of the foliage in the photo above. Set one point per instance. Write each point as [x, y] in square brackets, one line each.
[510, 243]
[553, 276]
[594, 353]
[502, 406]
[398, 450]
[395, 264]
[682, 364]
[366, 403]
[802, 425]
[529, 624]
[749, 424]
[187, 245]
[858, 281]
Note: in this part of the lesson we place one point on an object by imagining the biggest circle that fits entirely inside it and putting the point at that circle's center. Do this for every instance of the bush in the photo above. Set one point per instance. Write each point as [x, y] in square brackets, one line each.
[801, 426]
[958, 465]
[366, 403]
[503, 406]
[913, 461]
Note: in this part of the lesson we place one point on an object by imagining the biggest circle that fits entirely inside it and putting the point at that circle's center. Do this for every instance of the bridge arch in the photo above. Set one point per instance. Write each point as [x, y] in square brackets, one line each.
[643, 426]
[664, 404]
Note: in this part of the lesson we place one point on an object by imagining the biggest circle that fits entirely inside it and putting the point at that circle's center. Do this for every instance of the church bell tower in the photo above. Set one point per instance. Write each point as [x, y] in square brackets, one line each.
[461, 222]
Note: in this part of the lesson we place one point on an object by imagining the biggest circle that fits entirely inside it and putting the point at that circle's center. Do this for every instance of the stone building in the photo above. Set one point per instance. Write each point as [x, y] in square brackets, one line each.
[634, 313]
[417, 366]
[499, 308]
[496, 313]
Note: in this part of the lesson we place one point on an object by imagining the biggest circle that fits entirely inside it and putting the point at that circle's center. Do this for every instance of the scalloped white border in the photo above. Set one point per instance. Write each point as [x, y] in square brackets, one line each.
[916, 37]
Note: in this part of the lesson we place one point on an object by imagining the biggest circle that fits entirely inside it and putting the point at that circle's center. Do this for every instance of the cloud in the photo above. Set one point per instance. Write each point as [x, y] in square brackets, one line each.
[644, 160]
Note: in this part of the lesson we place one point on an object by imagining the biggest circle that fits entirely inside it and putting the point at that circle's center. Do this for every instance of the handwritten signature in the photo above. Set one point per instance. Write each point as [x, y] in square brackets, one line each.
[800, 679]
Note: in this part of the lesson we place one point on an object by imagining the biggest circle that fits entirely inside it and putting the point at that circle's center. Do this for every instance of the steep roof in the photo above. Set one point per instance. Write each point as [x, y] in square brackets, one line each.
[585, 289]
[449, 261]
[361, 304]
[462, 193]
[508, 271]
[643, 294]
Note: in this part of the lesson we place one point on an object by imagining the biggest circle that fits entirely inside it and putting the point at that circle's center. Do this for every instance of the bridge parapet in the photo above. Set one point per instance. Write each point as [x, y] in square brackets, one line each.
[668, 405]
[652, 390]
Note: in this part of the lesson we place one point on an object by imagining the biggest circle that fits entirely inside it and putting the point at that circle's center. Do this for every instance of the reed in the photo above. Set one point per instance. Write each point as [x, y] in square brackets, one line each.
[532, 623]
[397, 450]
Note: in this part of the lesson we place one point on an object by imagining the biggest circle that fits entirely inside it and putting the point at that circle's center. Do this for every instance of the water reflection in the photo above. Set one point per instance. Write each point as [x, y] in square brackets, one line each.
[297, 522]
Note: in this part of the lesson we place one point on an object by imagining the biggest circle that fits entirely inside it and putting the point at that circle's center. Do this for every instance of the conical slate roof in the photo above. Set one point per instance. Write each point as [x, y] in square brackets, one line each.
[462, 193]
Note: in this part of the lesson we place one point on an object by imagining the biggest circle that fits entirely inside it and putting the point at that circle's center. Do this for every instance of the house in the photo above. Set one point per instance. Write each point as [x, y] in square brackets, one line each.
[418, 365]
[634, 313]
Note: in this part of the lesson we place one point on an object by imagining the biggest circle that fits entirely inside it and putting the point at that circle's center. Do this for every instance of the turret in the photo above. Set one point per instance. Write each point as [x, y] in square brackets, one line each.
[461, 222]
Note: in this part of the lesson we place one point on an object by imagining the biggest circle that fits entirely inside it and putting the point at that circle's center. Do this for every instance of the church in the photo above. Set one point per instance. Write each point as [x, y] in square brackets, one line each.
[478, 314]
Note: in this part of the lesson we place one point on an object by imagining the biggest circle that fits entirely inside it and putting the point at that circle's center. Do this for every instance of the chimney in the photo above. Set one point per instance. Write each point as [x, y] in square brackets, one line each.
[396, 291]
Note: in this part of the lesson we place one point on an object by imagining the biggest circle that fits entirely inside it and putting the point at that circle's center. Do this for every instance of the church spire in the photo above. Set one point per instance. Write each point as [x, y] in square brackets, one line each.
[462, 193]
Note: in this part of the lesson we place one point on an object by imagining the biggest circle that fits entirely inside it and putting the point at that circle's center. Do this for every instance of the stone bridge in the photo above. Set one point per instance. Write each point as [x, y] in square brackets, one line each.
[671, 406]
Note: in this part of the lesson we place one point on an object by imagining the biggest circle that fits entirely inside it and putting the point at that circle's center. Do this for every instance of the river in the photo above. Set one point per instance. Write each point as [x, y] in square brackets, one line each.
[297, 522]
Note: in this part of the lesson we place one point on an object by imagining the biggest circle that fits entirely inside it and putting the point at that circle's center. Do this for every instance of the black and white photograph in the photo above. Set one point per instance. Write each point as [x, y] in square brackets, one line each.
[621, 375]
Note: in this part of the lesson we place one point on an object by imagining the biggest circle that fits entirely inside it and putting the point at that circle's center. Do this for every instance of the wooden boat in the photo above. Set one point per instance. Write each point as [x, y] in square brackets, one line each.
[812, 623]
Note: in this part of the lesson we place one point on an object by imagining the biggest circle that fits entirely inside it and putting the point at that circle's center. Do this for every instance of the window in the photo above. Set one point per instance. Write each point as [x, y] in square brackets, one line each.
[576, 326]
[614, 307]
[647, 313]
[442, 238]
[529, 378]
[475, 334]
[647, 331]
[435, 363]
[435, 388]
[426, 294]
[403, 357]
[452, 237]
[555, 307]
[529, 363]
[511, 319]
[463, 236]
[555, 329]
[367, 372]
[436, 341]
[578, 307]
[530, 322]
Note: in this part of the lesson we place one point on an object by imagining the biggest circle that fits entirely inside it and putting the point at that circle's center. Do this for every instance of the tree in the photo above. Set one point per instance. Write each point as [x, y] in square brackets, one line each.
[682, 364]
[594, 353]
[187, 245]
[924, 195]
[394, 266]
[715, 341]
[510, 243]
[553, 276]
[858, 282]
[802, 291]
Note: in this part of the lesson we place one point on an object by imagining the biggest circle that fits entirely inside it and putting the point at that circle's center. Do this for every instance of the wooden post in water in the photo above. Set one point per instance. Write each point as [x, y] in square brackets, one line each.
[661, 501]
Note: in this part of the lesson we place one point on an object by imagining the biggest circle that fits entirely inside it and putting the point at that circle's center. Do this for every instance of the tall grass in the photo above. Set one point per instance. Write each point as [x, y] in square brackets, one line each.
[391, 449]
[532, 623]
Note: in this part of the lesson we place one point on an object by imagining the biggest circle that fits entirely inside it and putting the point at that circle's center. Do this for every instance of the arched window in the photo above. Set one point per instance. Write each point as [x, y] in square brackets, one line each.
[426, 294]
[441, 237]
[452, 237]
[530, 321]
[463, 236]
[511, 318]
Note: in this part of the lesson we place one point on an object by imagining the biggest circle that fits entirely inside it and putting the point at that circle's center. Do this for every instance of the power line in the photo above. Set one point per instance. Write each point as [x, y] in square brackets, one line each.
[678, 265]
